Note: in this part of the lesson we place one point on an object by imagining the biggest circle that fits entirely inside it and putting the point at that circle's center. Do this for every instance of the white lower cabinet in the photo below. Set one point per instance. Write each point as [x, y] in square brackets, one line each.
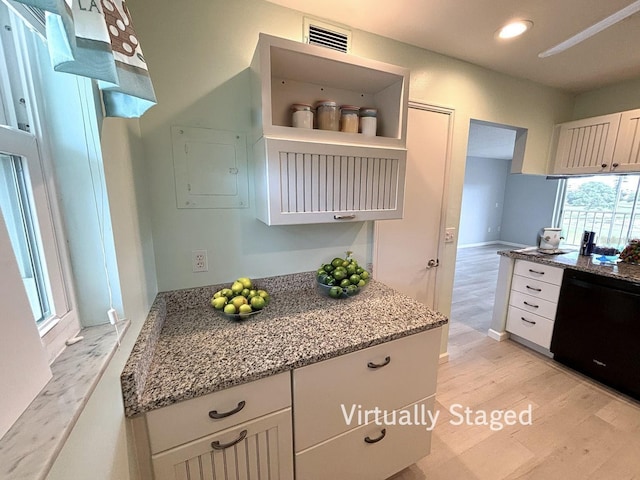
[246, 432]
[533, 301]
[530, 326]
[335, 437]
[257, 449]
[371, 451]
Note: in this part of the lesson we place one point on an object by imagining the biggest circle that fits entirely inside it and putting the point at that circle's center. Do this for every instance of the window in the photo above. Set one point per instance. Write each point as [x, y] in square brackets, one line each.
[28, 202]
[606, 204]
[18, 209]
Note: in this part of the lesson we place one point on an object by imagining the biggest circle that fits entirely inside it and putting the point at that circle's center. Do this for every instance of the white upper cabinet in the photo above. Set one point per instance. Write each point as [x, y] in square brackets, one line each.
[604, 144]
[320, 176]
[586, 146]
[626, 157]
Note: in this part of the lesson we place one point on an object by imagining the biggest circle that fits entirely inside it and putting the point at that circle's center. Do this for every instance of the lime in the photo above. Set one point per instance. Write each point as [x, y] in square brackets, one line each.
[340, 274]
[245, 292]
[244, 309]
[359, 270]
[264, 295]
[362, 283]
[351, 269]
[239, 301]
[355, 278]
[218, 303]
[252, 293]
[246, 282]
[230, 308]
[335, 292]
[217, 294]
[345, 263]
[323, 277]
[227, 292]
[330, 281]
[336, 262]
[237, 287]
[351, 290]
[328, 268]
[345, 283]
[258, 303]
[364, 275]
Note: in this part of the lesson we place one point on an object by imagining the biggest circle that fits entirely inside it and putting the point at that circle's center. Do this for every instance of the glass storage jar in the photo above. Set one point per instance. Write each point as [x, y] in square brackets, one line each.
[301, 115]
[328, 115]
[349, 119]
[368, 121]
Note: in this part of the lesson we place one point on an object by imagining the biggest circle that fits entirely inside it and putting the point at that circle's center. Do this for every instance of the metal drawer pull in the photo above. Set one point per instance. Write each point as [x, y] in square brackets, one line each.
[215, 415]
[379, 365]
[376, 440]
[614, 165]
[344, 217]
[536, 271]
[534, 289]
[531, 305]
[222, 446]
[528, 321]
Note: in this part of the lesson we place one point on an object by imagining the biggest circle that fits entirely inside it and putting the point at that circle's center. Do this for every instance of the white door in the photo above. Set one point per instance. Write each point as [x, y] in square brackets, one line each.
[404, 248]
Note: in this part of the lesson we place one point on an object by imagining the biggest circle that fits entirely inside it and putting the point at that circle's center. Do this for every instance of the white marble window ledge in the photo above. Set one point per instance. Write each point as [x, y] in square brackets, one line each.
[29, 448]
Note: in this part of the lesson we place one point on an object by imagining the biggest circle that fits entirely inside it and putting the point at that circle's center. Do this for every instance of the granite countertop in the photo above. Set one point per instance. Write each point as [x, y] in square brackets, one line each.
[186, 349]
[575, 261]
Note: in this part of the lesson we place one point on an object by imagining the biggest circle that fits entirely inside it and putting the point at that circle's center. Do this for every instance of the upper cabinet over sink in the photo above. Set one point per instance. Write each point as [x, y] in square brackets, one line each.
[604, 144]
[320, 176]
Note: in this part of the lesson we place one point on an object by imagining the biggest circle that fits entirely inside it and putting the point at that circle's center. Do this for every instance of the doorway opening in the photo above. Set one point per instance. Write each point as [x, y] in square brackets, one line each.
[486, 221]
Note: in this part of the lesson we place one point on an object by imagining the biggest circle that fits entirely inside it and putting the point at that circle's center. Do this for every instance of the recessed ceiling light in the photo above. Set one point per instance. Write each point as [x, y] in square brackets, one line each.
[514, 29]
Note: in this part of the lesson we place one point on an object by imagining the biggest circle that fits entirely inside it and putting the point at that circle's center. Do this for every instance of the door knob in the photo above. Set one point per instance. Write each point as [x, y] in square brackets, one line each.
[433, 263]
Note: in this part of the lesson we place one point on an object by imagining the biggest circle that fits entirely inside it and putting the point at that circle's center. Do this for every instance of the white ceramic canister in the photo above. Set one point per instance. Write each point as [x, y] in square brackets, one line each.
[349, 118]
[368, 121]
[328, 115]
[550, 238]
[301, 115]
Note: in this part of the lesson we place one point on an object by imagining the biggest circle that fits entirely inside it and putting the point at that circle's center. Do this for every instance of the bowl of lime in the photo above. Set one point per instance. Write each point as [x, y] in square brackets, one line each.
[341, 278]
[241, 300]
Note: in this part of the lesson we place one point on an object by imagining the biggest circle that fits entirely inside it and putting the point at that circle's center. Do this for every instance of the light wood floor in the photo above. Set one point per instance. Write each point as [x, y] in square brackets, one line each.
[580, 429]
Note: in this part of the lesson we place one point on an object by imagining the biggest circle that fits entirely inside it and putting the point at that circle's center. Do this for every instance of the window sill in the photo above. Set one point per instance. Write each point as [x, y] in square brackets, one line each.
[29, 448]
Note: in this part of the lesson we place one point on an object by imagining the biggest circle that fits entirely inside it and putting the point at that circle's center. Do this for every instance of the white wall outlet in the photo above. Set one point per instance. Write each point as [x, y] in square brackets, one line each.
[449, 235]
[199, 261]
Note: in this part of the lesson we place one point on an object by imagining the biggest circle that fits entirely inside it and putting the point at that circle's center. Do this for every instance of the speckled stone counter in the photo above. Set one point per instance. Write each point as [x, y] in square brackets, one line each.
[620, 270]
[186, 349]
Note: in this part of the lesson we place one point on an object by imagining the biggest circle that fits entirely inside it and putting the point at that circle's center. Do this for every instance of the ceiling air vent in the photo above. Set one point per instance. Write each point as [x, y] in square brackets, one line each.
[327, 35]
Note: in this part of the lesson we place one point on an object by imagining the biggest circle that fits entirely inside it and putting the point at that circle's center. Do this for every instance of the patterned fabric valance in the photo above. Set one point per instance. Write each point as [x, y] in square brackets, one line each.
[96, 39]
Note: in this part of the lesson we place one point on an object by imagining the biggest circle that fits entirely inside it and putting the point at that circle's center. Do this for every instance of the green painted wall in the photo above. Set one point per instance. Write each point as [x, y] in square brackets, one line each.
[198, 58]
[615, 98]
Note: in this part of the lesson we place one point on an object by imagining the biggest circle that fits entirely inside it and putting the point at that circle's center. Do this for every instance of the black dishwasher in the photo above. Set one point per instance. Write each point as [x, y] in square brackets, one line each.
[597, 329]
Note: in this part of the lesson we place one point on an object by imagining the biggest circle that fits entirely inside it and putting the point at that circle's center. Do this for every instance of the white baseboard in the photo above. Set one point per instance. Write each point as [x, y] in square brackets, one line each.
[498, 336]
[444, 358]
[493, 242]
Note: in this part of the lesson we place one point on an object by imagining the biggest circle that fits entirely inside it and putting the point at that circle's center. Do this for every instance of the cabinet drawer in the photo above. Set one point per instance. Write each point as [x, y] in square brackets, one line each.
[349, 457]
[530, 326]
[539, 271]
[533, 305]
[323, 391]
[536, 288]
[264, 450]
[185, 421]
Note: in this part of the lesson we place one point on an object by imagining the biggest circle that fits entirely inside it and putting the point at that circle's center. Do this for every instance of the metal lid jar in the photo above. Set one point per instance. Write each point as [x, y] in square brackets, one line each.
[349, 118]
[301, 115]
[368, 121]
[328, 115]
